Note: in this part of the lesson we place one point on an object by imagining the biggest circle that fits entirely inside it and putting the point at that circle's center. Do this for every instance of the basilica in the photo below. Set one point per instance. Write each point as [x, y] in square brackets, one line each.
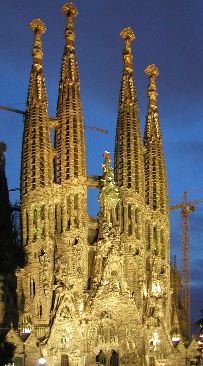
[94, 290]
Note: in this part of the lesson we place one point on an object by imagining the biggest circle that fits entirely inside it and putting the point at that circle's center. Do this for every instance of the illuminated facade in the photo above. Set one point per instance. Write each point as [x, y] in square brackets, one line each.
[93, 290]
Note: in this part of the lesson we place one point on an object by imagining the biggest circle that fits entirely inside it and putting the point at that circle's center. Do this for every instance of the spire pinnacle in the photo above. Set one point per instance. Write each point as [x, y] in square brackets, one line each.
[128, 35]
[39, 28]
[70, 10]
[129, 168]
[70, 139]
[156, 180]
[152, 71]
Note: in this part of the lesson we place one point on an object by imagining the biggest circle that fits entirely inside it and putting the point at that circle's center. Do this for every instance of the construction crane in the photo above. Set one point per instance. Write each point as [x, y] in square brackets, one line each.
[187, 207]
[53, 120]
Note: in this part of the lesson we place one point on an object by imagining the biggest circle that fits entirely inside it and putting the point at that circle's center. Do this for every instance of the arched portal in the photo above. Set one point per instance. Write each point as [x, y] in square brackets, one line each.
[114, 359]
[64, 360]
[100, 358]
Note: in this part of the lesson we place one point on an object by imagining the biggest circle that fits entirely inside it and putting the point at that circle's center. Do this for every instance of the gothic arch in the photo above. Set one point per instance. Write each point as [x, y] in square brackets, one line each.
[114, 359]
[100, 358]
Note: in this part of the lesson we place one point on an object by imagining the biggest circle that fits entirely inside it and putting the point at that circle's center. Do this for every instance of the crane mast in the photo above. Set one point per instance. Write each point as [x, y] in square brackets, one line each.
[185, 260]
[187, 207]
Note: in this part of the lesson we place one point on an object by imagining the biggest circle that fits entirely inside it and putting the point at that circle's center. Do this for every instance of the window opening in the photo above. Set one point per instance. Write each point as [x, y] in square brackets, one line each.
[40, 311]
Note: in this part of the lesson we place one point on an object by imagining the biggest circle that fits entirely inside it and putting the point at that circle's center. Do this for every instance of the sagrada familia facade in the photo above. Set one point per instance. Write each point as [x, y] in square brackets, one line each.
[94, 291]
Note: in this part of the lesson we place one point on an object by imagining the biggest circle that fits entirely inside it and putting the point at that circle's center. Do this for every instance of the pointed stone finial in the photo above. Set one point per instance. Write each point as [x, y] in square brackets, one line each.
[107, 162]
[128, 35]
[107, 169]
[39, 28]
[70, 10]
[152, 71]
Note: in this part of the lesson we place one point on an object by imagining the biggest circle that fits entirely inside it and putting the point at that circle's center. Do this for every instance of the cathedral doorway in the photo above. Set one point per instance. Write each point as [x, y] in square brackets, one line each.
[114, 359]
[64, 360]
[19, 361]
[100, 358]
[151, 361]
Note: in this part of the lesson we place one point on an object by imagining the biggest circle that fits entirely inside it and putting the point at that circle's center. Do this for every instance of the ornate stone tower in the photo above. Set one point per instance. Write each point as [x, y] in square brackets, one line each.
[70, 213]
[129, 173]
[70, 166]
[158, 296]
[35, 281]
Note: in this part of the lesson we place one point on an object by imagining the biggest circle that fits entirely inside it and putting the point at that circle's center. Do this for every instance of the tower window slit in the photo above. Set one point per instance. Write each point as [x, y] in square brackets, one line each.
[27, 226]
[162, 244]
[137, 222]
[61, 218]
[56, 219]
[122, 217]
[34, 223]
[155, 233]
[129, 212]
[42, 218]
[129, 220]
[147, 228]
[76, 222]
[40, 311]
[33, 287]
[116, 211]
[155, 239]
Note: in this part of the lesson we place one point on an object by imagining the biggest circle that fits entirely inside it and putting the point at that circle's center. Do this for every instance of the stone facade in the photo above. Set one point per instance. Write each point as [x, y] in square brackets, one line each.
[93, 290]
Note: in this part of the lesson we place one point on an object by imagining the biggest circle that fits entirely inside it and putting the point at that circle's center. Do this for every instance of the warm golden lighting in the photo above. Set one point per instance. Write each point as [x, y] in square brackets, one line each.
[94, 290]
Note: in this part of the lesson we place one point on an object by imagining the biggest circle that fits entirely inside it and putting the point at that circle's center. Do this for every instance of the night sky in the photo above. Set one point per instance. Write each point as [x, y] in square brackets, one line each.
[169, 33]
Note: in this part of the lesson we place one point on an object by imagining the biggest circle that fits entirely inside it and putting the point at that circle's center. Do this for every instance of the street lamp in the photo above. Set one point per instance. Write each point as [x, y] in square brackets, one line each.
[175, 338]
[41, 361]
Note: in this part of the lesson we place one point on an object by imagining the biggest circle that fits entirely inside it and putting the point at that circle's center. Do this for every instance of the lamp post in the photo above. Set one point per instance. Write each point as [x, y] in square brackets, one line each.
[41, 361]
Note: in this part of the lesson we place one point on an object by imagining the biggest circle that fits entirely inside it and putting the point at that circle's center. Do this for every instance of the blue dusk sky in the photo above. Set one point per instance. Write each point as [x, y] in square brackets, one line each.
[169, 33]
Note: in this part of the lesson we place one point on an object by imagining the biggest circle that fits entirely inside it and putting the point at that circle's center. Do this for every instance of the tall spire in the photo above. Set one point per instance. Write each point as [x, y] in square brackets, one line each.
[37, 166]
[156, 181]
[69, 138]
[128, 149]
